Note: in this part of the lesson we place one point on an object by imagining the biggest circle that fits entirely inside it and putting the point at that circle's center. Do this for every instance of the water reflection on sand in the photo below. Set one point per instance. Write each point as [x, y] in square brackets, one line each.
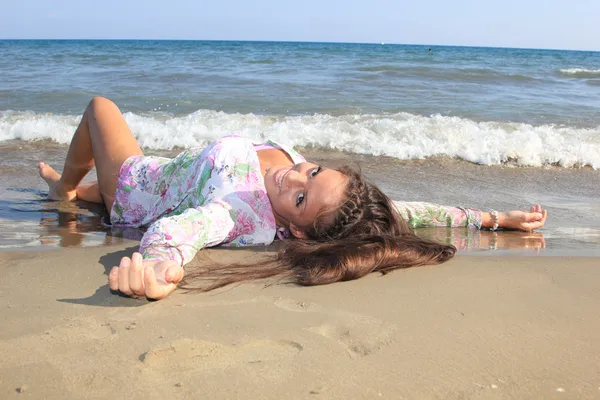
[40, 223]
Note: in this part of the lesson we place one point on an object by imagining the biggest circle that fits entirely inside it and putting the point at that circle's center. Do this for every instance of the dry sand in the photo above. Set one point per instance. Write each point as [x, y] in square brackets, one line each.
[476, 328]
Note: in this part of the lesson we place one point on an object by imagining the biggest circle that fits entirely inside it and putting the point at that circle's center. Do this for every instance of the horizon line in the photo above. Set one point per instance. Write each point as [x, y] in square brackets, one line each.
[296, 41]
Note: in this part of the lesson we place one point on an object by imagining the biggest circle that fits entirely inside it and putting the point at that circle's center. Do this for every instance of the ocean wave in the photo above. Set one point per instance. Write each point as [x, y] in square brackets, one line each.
[581, 72]
[401, 135]
[443, 72]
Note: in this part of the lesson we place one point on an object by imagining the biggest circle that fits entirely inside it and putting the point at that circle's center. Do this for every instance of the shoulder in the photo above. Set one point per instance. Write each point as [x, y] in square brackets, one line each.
[295, 156]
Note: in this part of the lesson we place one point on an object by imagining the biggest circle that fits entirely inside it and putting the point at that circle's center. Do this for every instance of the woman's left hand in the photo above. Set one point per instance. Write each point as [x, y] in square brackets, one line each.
[523, 221]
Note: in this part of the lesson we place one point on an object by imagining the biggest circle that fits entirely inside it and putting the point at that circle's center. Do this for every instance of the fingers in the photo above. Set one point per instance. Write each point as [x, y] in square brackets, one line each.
[154, 290]
[535, 219]
[124, 276]
[136, 275]
[174, 275]
[113, 279]
[128, 277]
[530, 226]
[533, 216]
[545, 215]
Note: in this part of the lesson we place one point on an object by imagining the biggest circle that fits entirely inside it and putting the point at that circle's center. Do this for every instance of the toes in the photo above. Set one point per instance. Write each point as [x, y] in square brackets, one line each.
[48, 173]
[41, 169]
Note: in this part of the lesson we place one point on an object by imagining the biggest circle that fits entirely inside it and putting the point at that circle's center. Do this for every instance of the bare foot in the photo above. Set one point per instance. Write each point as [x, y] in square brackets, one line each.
[52, 178]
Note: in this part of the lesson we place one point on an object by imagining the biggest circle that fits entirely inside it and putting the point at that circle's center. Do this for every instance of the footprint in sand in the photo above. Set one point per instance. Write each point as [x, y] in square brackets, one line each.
[360, 338]
[360, 335]
[188, 353]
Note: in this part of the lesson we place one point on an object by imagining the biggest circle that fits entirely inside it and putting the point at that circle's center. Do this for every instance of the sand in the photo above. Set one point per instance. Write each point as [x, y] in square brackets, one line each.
[485, 327]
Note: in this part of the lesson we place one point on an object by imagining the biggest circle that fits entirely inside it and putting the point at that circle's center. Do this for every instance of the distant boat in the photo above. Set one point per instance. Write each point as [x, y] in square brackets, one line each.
[382, 43]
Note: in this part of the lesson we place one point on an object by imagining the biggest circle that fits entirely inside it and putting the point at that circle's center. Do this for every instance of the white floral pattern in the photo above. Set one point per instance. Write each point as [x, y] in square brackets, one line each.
[200, 198]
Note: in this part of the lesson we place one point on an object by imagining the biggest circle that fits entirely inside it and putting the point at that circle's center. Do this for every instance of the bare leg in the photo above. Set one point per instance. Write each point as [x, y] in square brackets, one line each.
[102, 139]
[89, 191]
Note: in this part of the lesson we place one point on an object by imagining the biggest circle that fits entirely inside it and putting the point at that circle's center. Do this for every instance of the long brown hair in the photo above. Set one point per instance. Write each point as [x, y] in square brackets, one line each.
[364, 234]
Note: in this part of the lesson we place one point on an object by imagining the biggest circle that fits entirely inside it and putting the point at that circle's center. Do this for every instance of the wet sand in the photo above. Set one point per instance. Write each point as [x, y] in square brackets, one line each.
[476, 327]
[570, 195]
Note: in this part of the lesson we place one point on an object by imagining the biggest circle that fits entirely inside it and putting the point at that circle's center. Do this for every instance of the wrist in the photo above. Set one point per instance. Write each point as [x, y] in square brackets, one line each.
[492, 220]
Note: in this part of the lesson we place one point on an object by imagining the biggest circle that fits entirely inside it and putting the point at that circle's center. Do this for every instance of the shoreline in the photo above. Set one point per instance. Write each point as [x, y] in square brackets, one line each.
[568, 194]
[474, 327]
[26, 218]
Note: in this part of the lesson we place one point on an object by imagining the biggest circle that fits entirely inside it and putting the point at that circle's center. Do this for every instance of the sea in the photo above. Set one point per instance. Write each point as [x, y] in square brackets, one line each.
[497, 128]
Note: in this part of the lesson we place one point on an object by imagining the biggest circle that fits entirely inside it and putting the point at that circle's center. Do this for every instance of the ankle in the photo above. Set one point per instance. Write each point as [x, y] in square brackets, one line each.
[61, 186]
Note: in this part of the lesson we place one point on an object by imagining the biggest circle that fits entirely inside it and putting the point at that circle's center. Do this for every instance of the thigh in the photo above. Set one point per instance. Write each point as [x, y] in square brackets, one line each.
[112, 144]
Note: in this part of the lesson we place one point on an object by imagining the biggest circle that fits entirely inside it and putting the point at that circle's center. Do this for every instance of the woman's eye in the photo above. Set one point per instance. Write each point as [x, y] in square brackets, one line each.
[315, 172]
[299, 199]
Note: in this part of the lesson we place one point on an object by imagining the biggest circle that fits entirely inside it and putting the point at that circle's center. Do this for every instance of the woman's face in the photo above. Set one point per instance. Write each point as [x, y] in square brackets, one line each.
[299, 192]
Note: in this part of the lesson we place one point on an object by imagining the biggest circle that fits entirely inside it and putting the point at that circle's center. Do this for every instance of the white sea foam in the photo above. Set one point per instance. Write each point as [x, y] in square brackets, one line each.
[581, 72]
[402, 135]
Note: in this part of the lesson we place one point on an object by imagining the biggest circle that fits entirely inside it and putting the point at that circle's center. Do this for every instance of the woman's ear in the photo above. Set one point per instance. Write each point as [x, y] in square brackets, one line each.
[297, 232]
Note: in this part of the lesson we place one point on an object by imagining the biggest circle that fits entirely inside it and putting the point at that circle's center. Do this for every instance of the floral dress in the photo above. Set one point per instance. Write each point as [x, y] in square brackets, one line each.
[429, 215]
[201, 198]
[217, 195]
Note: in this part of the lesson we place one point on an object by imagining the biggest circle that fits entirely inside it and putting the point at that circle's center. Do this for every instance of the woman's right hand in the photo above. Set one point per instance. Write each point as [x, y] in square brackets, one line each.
[153, 279]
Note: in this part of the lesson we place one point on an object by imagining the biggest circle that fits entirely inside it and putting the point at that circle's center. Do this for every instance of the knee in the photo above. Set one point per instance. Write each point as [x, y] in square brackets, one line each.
[99, 104]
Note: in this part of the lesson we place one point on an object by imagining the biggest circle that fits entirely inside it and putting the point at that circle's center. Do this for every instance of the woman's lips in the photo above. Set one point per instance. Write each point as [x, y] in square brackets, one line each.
[279, 175]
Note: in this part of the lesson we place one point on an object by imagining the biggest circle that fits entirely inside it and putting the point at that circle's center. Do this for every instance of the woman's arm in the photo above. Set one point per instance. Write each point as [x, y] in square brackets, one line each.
[167, 245]
[424, 215]
[429, 215]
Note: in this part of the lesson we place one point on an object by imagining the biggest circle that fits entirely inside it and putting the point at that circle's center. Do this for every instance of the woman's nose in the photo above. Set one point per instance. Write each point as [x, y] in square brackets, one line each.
[295, 178]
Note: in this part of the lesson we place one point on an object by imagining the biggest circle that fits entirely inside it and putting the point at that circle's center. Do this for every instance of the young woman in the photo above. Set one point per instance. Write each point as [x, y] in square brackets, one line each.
[239, 193]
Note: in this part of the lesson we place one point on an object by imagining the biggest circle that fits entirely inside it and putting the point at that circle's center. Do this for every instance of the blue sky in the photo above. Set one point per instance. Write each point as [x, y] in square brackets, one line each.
[505, 23]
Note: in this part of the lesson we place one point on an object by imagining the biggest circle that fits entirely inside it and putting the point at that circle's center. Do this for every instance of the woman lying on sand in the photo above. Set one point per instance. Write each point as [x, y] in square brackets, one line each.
[239, 193]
